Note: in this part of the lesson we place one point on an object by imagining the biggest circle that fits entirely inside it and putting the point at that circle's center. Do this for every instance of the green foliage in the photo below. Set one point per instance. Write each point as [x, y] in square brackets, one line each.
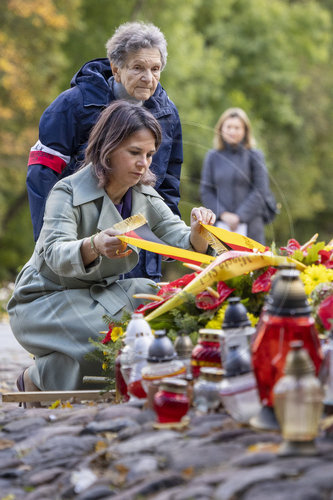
[243, 288]
[106, 353]
[312, 252]
[123, 322]
[31, 59]
[311, 255]
[277, 48]
[270, 57]
[186, 318]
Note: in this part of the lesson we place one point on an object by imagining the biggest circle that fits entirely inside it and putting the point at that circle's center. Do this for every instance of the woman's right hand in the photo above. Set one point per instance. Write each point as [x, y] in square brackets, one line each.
[104, 243]
[231, 219]
[108, 245]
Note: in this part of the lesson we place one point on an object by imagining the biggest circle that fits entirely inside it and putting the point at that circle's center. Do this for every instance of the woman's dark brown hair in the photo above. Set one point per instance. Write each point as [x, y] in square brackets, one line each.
[117, 123]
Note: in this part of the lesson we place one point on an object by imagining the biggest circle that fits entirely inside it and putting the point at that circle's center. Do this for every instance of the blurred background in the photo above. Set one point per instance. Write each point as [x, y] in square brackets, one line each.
[273, 58]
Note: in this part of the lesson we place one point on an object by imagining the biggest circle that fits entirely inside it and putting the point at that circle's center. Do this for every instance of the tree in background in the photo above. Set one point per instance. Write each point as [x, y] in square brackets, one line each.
[30, 62]
[270, 57]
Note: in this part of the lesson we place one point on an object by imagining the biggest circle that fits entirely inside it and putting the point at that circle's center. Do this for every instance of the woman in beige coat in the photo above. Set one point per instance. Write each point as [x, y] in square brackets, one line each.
[74, 275]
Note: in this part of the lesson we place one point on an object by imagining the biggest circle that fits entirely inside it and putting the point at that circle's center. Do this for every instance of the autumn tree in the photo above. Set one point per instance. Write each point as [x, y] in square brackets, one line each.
[31, 60]
[270, 57]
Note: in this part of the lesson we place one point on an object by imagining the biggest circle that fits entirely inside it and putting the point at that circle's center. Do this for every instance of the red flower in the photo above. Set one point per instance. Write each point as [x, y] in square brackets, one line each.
[206, 301]
[291, 247]
[142, 308]
[326, 258]
[325, 312]
[107, 337]
[174, 286]
[166, 292]
[264, 282]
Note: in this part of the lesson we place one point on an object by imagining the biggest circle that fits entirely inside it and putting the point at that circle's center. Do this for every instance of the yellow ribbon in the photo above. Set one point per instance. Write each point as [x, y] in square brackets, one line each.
[225, 266]
[168, 250]
[214, 242]
[214, 236]
[131, 223]
[234, 238]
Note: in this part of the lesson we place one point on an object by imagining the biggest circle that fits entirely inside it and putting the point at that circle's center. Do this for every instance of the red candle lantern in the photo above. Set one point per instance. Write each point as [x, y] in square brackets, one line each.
[207, 352]
[286, 318]
[171, 402]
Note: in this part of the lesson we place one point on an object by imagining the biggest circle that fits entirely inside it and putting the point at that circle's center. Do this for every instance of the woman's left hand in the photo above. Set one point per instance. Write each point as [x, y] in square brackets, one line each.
[198, 216]
[203, 215]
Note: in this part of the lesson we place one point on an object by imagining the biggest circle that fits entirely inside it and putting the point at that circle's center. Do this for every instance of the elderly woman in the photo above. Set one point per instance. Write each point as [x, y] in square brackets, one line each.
[72, 279]
[137, 54]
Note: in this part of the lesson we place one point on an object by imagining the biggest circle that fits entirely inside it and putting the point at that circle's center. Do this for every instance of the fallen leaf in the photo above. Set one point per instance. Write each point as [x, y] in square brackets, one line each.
[6, 443]
[264, 447]
[100, 446]
[188, 472]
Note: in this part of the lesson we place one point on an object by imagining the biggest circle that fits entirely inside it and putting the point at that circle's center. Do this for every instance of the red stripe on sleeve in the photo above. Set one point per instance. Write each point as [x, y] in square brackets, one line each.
[54, 162]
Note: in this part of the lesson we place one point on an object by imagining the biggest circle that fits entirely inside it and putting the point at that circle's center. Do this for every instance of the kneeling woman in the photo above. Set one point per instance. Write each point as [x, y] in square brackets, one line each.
[74, 275]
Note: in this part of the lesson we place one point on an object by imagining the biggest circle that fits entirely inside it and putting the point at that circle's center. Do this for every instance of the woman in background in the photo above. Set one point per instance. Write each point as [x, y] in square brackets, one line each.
[234, 177]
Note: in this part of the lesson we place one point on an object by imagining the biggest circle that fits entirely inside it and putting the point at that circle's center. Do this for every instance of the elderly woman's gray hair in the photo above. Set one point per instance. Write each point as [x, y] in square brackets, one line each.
[131, 37]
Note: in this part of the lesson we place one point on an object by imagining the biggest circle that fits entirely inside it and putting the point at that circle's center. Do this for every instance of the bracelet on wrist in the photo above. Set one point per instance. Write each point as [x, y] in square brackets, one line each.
[92, 244]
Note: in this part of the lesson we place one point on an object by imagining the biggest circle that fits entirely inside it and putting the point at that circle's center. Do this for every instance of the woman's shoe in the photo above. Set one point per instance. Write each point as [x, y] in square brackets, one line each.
[21, 387]
[21, 383]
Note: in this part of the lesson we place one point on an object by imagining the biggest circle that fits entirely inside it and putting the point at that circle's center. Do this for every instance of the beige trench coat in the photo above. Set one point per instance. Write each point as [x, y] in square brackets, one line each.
[58, 304]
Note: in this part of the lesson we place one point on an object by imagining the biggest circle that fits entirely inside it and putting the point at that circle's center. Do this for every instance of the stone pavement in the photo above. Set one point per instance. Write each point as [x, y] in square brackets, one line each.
[108, 451]
[13, 359]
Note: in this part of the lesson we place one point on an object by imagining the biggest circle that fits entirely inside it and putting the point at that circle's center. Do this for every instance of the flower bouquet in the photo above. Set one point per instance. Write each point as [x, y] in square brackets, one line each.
[174, 308]
[206, 309]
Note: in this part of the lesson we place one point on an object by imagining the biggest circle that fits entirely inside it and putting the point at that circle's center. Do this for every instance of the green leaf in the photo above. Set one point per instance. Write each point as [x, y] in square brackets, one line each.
[312, 252]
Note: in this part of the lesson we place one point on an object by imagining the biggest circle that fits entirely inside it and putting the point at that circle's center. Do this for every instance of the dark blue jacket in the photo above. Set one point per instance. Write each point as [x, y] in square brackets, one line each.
[64, 129]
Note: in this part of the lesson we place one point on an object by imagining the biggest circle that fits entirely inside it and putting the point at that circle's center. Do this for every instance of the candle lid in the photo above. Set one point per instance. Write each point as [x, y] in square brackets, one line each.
[161, 349]
[183, 345]
[210, 335]
[177, 385]
[237, 363]
[211, 373]
[298, 361]
[137, 326]
[235, 314]
[288, 297]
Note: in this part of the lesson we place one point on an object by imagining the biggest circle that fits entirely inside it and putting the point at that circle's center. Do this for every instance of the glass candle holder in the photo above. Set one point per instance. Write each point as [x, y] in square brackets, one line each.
[184, 347]
[206, 390]
[207, 352]
[137, 326]
[236, 328]
[326, 373]
[286, 318]
[238, 389]
[141, 346]
[158, 371]
[126, 362]
[298, 402]
[161, 361]
[121, 385]
[241, 337]
[171, 402]
[272, 344]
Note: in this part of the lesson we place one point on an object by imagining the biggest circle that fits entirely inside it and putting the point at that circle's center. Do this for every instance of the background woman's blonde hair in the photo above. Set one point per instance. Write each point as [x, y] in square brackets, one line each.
[248, 141]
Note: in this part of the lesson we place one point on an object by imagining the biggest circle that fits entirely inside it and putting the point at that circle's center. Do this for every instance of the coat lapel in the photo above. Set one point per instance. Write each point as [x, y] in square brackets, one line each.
[85, 190]
[109, 214]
